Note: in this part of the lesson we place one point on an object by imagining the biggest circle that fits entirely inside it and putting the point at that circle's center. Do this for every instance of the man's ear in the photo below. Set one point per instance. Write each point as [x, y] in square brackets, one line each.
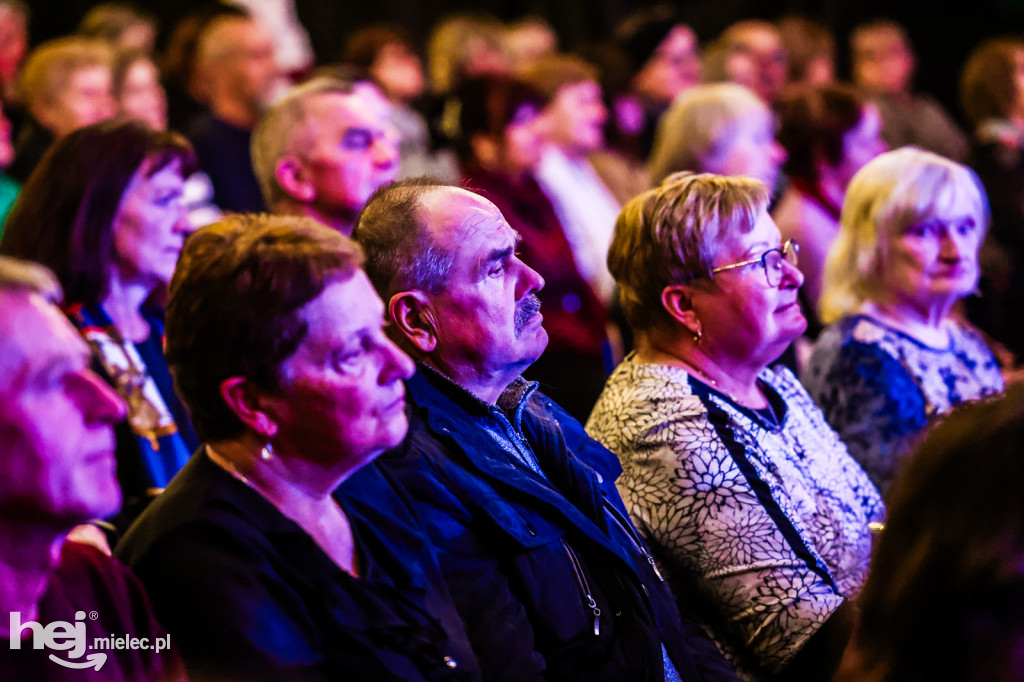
[245, 400]
[293, 178]
[413, 316]
[677, 300]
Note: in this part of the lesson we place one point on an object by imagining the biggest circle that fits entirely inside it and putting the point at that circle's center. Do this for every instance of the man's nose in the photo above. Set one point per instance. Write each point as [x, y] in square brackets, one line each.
[530, 281]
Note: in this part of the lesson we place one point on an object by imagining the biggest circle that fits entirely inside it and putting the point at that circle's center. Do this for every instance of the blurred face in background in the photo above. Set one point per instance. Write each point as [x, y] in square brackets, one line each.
[882, 61]
[236, 62]
[87, 99]
[142, 96]
[576, 117]
[672, 69]
[399, 71]
[763, 45]
[750, 149]
[525, 137]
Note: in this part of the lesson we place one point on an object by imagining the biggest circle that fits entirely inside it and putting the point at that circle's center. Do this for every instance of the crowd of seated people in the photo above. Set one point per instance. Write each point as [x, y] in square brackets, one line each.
[493, 361]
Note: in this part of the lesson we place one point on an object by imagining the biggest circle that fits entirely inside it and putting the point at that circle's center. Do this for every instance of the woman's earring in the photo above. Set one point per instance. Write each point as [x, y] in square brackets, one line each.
[267, 452]
[697, 335]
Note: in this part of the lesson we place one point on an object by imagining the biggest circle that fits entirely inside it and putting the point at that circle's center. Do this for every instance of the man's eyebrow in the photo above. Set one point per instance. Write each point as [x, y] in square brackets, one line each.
[498, 255]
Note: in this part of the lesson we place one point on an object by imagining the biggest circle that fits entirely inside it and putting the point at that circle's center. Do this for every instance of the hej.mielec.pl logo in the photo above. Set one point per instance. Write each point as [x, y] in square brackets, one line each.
[70, 637]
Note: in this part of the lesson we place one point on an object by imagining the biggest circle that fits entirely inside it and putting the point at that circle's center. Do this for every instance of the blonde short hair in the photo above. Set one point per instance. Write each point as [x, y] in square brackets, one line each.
[895, 189]
[672, 234]
[49, 67]
[697, 125]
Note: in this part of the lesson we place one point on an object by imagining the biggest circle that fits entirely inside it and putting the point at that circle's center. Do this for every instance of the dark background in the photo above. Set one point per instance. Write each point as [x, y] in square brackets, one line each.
[942, 32]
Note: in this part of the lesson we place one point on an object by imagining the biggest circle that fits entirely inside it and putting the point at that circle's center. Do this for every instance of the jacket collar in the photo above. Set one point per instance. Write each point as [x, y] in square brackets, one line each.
[572, 488]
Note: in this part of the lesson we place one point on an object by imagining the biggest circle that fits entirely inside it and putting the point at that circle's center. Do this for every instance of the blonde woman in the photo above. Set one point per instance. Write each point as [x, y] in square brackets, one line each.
[894, 356]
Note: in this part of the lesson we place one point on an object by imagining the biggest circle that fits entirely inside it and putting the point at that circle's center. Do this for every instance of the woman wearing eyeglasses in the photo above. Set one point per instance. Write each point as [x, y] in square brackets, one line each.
[895, 355]
[759, 515]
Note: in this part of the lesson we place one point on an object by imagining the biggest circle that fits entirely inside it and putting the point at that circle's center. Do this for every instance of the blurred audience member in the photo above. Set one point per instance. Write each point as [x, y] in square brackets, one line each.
[177, 63]
[235, 74]
[140, 96]
[721, 128]
[123, 26]
[464, 45]
[323, 149]
[293, 52]
[754, 506]
[828, 133]
[14, 16]
[663, 62]
[386, 54]
[750, 52]
[66, 84]
[895, 355]
[883, 65]
[527, 40]
[504, 138]
[137, 89]
[104, 211]
[550, 576]
[992, 94]
[460, 46]
[57, 471]
[260, 566]
[574, 128]
[945, 597]
[810, 49]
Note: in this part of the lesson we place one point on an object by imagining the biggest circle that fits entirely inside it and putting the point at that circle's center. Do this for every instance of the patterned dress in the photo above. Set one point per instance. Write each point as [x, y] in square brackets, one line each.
[879, 387]
[760, 517]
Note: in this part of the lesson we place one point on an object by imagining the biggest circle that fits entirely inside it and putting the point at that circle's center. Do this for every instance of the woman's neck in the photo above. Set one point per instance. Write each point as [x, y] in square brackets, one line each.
[926, 323]
[300, 490]
[123, 303]
[735, 379]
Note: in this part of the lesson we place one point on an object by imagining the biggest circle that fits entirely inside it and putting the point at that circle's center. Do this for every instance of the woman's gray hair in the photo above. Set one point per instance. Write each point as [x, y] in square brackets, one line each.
[896, 189]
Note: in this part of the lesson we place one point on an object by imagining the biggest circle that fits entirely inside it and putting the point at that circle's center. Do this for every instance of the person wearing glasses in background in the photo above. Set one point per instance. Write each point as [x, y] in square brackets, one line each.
[748, 498]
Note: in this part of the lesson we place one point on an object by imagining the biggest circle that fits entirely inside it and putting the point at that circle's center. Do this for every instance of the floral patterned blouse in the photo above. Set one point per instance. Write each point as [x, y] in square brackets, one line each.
[879, 387]
[760, 517]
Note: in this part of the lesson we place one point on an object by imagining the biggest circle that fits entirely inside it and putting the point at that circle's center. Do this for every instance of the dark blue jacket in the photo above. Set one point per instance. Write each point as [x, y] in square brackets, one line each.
[550, 577]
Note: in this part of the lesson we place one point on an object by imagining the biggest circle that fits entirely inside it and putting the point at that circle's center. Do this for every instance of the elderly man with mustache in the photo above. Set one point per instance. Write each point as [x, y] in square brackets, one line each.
[550, 576]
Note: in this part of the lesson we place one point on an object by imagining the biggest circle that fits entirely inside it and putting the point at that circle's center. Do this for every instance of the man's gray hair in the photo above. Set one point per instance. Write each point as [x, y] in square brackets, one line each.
[401, 253]
[286, 128]
[22, 276]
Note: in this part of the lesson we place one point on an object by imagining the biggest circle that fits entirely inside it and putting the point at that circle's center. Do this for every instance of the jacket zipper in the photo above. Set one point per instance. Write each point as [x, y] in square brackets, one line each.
[626, 526]
[584, 586]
